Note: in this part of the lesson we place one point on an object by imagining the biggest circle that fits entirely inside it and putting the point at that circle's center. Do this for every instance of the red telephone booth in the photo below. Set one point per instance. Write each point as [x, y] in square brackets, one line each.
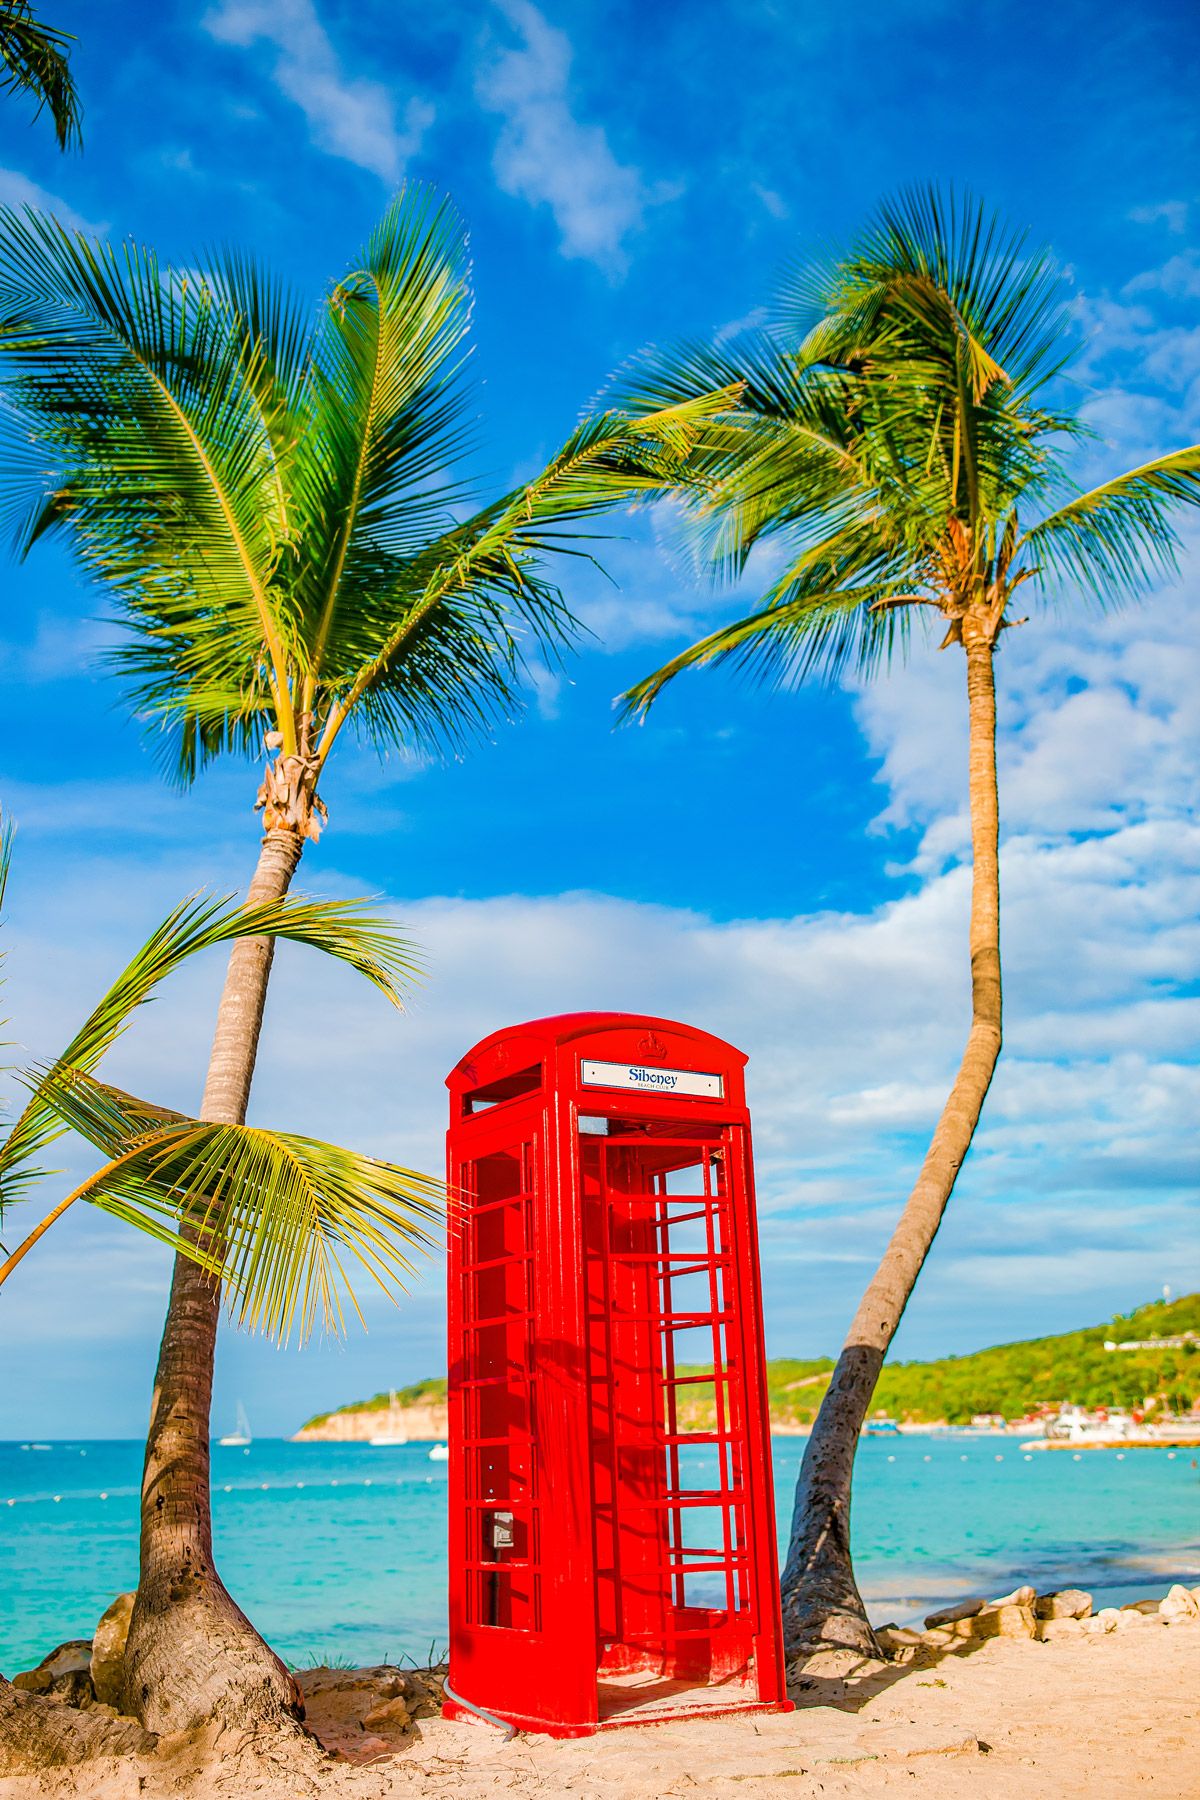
[612, 1527]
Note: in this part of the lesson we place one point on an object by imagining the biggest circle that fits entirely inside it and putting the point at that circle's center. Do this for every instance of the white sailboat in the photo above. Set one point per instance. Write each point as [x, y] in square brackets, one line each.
[239, 1438]
[384, 1440]
[440, 1453]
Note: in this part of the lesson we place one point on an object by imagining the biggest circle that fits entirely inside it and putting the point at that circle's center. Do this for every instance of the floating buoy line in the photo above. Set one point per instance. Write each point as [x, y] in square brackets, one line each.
[224, 1487]
[367, 1481]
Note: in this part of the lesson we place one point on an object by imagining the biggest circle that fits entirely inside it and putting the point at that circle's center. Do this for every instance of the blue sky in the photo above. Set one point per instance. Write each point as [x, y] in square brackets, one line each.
[784, 870]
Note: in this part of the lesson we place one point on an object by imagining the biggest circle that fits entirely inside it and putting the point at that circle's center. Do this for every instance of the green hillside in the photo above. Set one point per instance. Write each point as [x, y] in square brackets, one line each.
[1012, 1379]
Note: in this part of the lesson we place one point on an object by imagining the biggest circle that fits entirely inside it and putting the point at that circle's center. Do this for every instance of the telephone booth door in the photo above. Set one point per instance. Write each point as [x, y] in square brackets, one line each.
[518, 1475]
[672, 1508]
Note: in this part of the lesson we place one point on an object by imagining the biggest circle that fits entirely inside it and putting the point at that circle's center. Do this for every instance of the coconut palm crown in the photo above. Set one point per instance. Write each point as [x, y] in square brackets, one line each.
[900, 441]
[269, 497]
[902, 433]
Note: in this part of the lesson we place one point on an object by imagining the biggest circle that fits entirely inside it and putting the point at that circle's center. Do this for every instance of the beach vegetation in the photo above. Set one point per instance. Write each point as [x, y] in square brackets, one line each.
[901, 452]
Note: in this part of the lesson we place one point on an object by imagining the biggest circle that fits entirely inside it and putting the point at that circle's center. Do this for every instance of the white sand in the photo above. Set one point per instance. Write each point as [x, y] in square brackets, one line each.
[1094, 1716]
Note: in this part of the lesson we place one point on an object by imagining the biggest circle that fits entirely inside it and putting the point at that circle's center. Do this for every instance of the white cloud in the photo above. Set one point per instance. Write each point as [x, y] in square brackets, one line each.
[17, 190]
[1097, 724]
[749, 321]
[774, 203]
[545, 155]
[1171, 213]
[349, 117]
[1178, 277]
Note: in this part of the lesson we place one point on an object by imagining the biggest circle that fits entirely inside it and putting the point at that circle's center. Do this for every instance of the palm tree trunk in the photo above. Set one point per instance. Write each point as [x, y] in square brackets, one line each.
[192, 1654]
[37, 1733]
[821, 1601]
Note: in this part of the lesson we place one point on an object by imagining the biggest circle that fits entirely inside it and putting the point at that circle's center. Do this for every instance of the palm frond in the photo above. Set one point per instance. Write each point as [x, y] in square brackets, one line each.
[808, 623]
[1113, 537]
[138, 429]
[892, 434]
[35, 59]
[287, 1222]
[7, 834]
[478, 589]
[340, 928]
[272, 499]
[387, 413]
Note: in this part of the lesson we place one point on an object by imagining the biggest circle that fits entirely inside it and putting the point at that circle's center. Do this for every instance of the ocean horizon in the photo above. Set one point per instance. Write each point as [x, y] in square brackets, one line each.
[338, 1552]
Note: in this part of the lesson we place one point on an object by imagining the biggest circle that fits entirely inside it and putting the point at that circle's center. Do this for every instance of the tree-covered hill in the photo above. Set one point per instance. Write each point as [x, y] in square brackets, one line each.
[1012, 1379]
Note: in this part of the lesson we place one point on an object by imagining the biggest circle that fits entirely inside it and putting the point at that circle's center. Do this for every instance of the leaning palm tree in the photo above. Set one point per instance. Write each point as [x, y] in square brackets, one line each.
[35, 59]
[268, 495]
[282, 1220]
[901, 437]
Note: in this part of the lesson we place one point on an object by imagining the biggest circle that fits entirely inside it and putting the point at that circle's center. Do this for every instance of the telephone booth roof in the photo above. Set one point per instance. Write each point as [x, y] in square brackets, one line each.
[629, 1036]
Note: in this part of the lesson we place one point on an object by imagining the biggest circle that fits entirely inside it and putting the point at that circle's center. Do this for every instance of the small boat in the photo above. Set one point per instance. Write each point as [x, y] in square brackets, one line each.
[439, 1453]
[239, 1438]
[387, 1440]
[881, 1428]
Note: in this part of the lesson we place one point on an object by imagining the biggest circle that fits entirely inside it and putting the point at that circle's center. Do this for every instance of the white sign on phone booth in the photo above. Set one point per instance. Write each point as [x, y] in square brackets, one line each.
[644, 1078]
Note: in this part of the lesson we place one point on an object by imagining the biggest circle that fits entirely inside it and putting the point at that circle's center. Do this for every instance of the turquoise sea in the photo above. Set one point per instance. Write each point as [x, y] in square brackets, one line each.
[338, 1550]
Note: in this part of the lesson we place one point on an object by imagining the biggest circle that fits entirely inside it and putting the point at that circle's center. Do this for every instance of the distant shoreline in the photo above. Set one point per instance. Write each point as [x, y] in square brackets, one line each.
[1153, 1351]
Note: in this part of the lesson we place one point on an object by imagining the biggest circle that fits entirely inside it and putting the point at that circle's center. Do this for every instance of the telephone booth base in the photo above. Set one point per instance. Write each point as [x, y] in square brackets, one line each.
[622, 1706]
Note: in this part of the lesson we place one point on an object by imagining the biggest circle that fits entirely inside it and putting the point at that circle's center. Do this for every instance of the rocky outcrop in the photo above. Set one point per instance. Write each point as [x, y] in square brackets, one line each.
[1024, 1613]
[362, 1713]
[1020, 1596]
[952, 1615]
[991, 1621]
[108, 1650]
[1181, 1603]
[59, 1672]
[1067, 1603]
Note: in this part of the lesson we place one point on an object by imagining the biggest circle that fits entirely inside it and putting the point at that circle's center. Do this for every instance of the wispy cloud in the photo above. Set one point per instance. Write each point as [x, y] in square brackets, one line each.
[1171, 213]
[1178, 277]
[546, 156]
[17, 190]
[349, 117]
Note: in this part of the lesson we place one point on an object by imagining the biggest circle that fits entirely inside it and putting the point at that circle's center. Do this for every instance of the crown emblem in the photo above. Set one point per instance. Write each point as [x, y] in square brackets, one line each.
[651, 1048]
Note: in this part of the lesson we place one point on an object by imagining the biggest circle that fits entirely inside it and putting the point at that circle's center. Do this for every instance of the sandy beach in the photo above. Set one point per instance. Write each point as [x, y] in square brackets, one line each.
[1090, 1715]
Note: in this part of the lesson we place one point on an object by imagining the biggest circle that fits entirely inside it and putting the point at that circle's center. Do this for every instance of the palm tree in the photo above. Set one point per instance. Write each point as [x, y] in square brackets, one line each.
[268, 496]
[900, 436]
[277, 1217]
[35, 59]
